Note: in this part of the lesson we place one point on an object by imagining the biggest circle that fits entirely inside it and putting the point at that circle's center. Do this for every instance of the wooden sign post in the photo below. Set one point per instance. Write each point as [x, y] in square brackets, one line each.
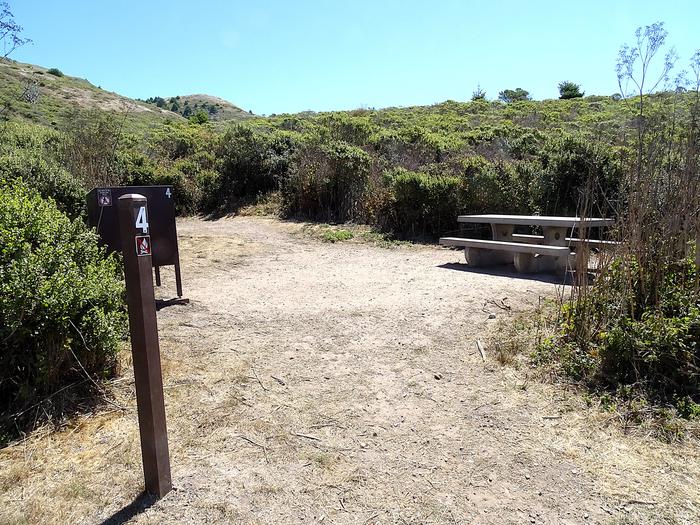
[137, 250]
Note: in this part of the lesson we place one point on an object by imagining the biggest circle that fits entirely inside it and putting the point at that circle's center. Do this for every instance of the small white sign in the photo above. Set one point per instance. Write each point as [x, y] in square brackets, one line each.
[142, 220]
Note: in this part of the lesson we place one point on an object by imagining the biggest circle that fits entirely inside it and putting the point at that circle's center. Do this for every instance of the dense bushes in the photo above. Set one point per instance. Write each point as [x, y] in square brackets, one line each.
[248, 163]
[31, 153]
[61, 312]
[569, 166]
[614, 337]
[420, 204]
[328, 167]
[327, 182]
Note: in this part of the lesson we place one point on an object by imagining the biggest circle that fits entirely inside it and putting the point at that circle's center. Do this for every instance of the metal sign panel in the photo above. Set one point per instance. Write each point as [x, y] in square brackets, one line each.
[160, 226]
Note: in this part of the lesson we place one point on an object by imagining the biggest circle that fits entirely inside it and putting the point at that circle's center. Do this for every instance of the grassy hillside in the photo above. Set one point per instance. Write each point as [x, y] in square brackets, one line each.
[48, 97]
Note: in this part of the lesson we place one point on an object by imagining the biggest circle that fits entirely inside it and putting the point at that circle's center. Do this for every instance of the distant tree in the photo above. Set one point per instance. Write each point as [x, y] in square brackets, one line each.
[200, 117]
[513, 95]
[10, 31]
[55, 72]
[478, 93]
[175, 107]
[569, 90]
[187, 111]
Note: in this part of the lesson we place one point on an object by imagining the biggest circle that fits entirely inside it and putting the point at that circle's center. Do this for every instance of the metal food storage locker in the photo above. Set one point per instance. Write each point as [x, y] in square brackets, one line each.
[102, 215]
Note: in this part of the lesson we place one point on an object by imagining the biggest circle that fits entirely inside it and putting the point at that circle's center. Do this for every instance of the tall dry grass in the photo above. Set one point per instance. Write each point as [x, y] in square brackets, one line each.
[636, 326]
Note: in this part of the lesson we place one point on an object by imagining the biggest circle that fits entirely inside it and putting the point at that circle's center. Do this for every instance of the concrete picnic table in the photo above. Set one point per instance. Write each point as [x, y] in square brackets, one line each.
[529, 253]
[555, 229]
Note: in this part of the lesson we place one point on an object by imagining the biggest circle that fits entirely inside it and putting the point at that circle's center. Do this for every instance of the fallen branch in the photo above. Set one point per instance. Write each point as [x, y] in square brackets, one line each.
[481, 350]
[263, 447]
[306, 436]
[502, 305]
[258, 378]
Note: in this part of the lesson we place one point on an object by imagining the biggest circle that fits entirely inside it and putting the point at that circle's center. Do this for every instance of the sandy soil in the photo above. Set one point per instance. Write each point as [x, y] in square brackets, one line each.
[340, 383]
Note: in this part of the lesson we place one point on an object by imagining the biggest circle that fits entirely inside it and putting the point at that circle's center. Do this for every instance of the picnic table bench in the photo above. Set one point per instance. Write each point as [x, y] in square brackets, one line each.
[551, 251]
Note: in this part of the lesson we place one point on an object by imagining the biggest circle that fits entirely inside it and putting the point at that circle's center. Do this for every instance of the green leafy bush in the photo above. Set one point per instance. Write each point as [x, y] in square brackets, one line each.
[249, 163]
[334, 236]
[55, 72]
[29, 153]
[327, 182]
[422, 205]
[61, 299]
[493, 187]
[617, 339]
[569, 164]
[200, 117]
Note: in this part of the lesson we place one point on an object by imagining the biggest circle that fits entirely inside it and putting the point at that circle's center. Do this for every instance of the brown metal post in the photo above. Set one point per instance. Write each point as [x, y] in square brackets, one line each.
[178, 278]
[136, 247]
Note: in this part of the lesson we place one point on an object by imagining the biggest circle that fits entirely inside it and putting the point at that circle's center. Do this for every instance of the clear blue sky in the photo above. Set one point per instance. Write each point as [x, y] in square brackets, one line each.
[288, 56]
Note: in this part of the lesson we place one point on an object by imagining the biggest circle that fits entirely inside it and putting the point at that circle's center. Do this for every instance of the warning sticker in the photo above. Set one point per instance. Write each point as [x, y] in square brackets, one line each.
[143, 245]
[104, 197]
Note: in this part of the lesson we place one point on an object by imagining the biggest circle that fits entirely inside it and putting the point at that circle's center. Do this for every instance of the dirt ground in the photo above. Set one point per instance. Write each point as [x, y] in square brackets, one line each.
[311, 382]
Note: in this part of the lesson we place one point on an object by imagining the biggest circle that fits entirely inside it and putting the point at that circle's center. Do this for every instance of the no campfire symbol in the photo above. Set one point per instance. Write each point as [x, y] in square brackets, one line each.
[143, 245]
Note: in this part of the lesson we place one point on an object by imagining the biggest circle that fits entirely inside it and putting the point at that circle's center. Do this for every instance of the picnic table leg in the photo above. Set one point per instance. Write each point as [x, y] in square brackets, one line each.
[555, 236]
[502, 232]
[483, 257]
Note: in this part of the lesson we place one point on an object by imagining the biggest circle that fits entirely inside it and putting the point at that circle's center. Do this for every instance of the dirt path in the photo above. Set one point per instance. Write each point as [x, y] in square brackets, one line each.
[340, 383]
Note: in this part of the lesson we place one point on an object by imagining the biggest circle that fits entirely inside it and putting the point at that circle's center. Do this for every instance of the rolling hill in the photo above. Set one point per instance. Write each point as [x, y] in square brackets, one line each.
[217, 109]
[46, 96]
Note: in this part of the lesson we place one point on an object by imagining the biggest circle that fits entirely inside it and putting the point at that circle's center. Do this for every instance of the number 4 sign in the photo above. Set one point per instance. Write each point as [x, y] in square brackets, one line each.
[142, 220]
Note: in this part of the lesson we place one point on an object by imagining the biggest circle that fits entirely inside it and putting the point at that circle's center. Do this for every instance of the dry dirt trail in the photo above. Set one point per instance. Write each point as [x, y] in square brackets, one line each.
[310, 382]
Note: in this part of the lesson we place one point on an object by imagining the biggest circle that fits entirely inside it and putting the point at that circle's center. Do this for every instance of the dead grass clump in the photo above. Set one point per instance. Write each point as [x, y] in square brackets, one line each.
[517, 337]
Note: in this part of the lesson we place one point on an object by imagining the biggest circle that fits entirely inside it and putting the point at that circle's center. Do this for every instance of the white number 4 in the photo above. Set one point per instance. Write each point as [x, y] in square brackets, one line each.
[141, 220]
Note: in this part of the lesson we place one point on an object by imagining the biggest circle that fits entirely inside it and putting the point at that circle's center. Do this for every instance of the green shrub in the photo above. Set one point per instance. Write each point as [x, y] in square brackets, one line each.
[327, 182]
[249, 163]
[618, 340]
[568, 165]
[495, 187]
[200, 117]
[61, 300]
[55, 72]
[29, 153]
[422, 205]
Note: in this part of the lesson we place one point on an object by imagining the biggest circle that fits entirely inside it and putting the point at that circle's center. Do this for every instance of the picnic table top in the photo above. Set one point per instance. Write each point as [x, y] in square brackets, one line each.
[537, 220]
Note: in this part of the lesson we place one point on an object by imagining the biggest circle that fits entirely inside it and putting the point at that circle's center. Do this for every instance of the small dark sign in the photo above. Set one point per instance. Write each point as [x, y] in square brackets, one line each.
[104, 197]
[143, 245]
